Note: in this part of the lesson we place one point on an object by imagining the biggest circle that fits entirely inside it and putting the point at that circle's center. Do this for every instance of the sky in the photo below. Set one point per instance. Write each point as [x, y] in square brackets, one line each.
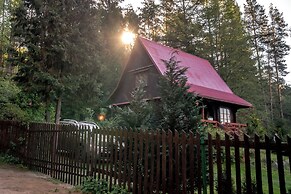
[282, 5]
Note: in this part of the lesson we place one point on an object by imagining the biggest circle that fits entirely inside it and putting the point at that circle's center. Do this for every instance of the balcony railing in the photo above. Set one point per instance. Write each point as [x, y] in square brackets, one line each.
[228, 127]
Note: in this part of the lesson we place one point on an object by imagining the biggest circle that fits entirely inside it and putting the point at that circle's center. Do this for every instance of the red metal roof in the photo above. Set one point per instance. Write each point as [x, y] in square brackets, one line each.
[202, 77]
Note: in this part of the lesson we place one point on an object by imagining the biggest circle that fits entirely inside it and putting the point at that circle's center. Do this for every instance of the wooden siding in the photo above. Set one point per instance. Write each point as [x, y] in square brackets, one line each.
[139, 61]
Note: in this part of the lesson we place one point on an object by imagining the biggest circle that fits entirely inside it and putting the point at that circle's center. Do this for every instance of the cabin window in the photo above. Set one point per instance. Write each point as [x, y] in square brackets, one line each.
[225, 116]
[141, 78]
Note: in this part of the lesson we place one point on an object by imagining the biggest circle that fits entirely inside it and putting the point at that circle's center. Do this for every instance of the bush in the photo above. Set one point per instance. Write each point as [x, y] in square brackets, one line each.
[93, 186]
[9, 159]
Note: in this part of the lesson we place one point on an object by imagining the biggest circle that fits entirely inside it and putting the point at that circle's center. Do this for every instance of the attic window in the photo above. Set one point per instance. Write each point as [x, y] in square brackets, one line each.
[141, 78]
[224, 114]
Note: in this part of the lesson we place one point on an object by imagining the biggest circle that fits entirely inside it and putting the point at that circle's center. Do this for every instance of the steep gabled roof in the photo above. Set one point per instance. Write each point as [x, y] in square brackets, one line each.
[202, 77]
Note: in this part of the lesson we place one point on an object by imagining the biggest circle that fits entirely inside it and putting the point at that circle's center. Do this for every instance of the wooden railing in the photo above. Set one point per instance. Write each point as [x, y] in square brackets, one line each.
[153, 161]
[232, 128]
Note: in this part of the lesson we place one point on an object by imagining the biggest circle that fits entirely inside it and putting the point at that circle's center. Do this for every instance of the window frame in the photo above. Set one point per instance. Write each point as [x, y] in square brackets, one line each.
[225, 115]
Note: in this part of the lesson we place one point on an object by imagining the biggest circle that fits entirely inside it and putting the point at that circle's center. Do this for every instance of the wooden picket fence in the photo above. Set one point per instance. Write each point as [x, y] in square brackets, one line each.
[150, 161]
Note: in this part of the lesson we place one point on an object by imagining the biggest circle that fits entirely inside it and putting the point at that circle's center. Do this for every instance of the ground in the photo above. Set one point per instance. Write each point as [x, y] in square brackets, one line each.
[15, 180]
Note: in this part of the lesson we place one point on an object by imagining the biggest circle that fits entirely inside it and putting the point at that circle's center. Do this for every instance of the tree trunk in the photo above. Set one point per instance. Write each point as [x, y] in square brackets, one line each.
[58, 110]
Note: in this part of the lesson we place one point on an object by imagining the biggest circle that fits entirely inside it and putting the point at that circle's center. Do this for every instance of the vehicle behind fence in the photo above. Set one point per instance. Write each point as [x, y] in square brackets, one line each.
[152, 161]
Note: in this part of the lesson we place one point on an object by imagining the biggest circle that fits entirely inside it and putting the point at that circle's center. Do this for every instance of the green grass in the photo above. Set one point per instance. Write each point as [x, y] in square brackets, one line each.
[275, 175]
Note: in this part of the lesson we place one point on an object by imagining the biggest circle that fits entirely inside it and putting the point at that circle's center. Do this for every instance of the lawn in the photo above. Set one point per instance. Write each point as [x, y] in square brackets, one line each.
[275, 175]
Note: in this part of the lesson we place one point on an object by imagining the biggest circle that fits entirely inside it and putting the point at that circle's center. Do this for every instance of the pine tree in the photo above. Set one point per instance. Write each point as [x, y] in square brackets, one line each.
[150, 22]
[256, 22]
[179, 108]
[278, 49]
[180, 28]
[224, 42]
[257, 25]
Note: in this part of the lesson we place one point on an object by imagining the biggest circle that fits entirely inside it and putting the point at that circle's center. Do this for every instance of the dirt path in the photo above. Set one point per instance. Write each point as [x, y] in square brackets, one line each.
[15, 180]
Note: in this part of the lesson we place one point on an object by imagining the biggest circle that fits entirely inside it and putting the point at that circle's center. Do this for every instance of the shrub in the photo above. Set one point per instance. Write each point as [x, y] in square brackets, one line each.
[94, 186]
[9, 159]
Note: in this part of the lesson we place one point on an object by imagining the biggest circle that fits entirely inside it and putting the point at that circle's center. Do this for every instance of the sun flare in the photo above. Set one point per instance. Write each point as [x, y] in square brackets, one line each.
[128, 37]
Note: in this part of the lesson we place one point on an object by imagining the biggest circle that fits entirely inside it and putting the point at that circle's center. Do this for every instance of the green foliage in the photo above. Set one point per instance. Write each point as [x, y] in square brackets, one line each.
[253, 188]
[138, 113]
[9, 159]
[93, 186]
[179, 109]
[61, 41]
[255, 126]
[9, 108]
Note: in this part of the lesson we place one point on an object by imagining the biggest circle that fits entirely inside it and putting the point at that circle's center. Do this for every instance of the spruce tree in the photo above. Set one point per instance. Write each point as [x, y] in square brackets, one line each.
[179, 109]
[60, 40]
[112, 51]
[138, 114]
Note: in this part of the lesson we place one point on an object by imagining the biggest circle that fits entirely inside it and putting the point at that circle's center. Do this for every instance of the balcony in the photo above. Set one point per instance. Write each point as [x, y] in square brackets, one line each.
[230, 128]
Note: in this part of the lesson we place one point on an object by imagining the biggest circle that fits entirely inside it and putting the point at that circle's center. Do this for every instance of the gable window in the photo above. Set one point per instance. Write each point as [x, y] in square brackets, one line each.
[141, 78]
[224, 114]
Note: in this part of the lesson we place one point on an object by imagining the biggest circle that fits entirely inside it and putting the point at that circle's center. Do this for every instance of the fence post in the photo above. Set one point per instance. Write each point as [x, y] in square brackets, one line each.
[203, 158]
[280, 165]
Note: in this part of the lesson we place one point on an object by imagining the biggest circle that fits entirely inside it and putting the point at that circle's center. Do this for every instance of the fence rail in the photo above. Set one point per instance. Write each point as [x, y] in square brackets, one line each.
[152, 161]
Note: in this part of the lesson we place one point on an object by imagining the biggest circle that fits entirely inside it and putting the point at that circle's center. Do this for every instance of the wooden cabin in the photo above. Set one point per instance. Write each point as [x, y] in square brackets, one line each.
[145, 64]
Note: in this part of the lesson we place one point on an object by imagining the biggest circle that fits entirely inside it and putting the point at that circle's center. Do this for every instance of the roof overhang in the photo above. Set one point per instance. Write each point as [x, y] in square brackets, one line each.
[219, 96]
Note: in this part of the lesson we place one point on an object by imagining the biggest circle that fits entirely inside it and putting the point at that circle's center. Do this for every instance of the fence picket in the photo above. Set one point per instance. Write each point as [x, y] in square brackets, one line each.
[141, 162]
[237, 164]
[228, 164]
[153, 159]
[135, 158]
[158, 158]
[280, 165]
[210, 164]
[170, 160]
[269, 166]
[247, 164]
[130, 160]
[177, 162]
[164, 162]
[219, 164]
[184, 163]
[146, 164]
[289, 151]
[258, 165]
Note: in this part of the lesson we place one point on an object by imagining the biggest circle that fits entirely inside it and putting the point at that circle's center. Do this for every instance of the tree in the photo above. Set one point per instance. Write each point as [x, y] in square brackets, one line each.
[6, 9]
[113, 53]
[9, 108]
[180, 26]
[225, 43]
[256, 22]
[277, 50]
[138, 114]
[150, 22]
[179, 109]
[60, 38]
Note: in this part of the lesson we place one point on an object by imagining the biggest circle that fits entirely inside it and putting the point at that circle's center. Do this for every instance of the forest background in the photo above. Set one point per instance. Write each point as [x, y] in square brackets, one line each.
[63, 59]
